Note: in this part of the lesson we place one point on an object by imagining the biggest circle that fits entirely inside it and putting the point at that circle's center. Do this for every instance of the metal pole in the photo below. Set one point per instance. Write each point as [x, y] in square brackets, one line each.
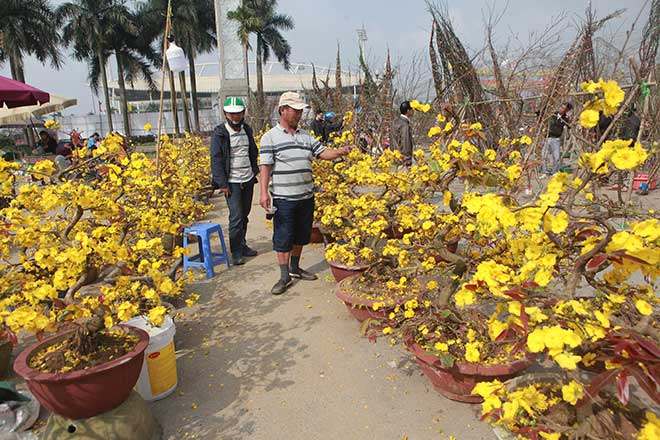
[221, 49]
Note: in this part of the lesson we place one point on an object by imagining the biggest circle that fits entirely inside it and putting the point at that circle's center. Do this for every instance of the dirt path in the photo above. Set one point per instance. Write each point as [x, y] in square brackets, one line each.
[254, 366]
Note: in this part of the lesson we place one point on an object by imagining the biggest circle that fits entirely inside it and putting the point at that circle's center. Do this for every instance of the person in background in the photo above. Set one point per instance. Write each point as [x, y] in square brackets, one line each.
[76, 140]
[286, 175]
[558, 121]
[330, 126]
[402, 137]
[93, 141]
[318, 124]
[46, 143]
[631, 125]
[602, 126]
[234, 168]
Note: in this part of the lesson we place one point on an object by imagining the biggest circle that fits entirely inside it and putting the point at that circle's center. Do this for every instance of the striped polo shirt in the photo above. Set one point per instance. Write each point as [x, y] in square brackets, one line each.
[240, 169]
[291, 159]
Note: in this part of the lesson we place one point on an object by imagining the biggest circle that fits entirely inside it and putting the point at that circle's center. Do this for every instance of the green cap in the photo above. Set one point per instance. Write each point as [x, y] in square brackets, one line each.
[233, 105]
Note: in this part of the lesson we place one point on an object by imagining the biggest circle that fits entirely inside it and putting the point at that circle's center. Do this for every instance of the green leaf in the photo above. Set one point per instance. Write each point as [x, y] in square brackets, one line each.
[446, 359]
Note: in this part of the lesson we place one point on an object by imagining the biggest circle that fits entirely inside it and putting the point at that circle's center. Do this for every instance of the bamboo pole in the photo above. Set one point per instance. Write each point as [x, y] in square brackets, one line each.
[168, 25]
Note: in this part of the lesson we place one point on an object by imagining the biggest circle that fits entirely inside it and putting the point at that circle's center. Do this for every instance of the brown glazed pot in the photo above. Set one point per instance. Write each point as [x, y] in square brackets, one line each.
[5, 356]
[339, 271]
[362, 308]
[457, 382]
[317, 236]
[83, 393]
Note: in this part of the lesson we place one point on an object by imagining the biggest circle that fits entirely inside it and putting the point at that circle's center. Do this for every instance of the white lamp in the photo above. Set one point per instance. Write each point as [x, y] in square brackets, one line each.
[176, 58]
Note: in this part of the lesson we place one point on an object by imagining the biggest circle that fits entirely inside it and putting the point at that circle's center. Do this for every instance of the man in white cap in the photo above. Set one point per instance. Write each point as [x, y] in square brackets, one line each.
[234, 168]
[286, 164]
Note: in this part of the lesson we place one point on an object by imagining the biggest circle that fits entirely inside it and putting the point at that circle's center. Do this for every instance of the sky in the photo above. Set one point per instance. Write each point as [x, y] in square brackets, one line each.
[402, 26]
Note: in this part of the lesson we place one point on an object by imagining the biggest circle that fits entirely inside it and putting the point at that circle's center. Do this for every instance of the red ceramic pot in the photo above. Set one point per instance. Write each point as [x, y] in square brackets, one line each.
[362, 308]
[83, 393]
[457, 382]
[317, 236]
[340, 271]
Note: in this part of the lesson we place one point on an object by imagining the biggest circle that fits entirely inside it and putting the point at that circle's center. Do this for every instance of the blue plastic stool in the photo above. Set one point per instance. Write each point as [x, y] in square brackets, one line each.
[207, 259]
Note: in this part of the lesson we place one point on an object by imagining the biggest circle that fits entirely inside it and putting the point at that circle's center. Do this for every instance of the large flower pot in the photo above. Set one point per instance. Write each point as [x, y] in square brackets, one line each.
[457, 382]
[83, 393]
[362, 308]
[340, 271]
[317, 236]
[5, 356]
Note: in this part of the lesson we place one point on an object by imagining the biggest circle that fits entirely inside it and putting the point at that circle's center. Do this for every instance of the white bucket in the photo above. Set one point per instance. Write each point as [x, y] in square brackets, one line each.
[158, 377]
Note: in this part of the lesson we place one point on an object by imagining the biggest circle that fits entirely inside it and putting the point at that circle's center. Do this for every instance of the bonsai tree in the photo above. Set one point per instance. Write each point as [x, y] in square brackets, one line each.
[83, 247]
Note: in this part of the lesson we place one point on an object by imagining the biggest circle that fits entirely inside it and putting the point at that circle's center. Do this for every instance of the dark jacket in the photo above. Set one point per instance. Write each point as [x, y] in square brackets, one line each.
[317, 127]
[220, 156]
[630, 128]
[402, 138]
[329, 128]
[557, 124]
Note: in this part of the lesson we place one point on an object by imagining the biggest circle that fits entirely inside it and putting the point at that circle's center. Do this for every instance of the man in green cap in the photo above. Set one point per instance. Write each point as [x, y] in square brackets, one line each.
[234, 168]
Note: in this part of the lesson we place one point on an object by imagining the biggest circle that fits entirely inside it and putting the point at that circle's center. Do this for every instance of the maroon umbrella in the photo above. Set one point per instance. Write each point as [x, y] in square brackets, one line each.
[18, 94]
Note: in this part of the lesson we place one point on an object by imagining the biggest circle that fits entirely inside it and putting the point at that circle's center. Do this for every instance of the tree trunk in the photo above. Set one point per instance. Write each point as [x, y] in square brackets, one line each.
[193, 88]
[17, 73]
[175, 109]
[106, 91]
[184, 98]
[124, 101]
[247, 67]
[260, 75]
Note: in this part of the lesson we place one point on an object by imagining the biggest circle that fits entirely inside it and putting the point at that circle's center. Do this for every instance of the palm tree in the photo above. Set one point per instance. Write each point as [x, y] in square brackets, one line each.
[134, 57]
[193, 25]
[261, 18]
[28, 28]
[89, 27]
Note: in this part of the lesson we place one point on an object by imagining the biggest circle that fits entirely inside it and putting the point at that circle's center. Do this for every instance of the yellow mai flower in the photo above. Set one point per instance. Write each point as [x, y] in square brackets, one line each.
[614, 95]
[126, 311]
[464, 297]
[513, 172]
[416, 105]
[627, 159]
[572, 392]
[486, 389]
[387, 330]
[147, 127]
[550, 435]
[472, 351]
[651, 429]
[434, 131]
[589, 118]
[643, 307]
[567, 361]
[446, 198]
[556, 223]
[536, 340]
[108, 322]
[45, 167]
[157, 315]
